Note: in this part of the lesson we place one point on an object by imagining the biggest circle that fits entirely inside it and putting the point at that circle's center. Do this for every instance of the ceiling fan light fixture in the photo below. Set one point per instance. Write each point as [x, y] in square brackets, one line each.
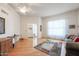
[22, 9]
[25, 9]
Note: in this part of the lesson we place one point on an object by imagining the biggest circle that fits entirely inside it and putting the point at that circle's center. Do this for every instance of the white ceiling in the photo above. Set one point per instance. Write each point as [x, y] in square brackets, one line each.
[45, 9]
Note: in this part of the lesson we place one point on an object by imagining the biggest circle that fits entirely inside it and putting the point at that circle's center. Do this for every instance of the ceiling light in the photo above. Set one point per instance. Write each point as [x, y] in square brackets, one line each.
[25, 9]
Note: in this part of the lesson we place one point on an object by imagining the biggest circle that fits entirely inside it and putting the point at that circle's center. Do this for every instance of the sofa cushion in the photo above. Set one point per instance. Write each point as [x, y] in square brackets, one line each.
[73, 45]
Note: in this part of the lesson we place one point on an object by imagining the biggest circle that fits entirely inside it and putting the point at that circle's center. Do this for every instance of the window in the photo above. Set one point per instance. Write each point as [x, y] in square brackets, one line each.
[57, 28]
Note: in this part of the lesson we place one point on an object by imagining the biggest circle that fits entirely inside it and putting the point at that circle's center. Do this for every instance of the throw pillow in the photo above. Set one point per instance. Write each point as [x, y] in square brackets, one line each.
[76, 39]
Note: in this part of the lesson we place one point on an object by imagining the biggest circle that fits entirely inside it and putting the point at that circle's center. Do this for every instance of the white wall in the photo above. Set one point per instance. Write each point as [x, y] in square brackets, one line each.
[78, 21]
[71, 17]
[12, 20]
[25, 20]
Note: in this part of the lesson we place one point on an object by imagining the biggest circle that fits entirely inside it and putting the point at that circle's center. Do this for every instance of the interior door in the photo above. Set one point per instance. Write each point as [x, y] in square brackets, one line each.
[34, 30]
[35, 35]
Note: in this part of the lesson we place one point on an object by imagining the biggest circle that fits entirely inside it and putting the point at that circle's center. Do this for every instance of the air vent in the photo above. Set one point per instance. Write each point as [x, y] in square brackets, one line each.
[4, 12]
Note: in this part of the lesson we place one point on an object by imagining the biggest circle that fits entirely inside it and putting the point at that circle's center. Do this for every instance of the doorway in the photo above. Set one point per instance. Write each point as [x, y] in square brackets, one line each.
[32, 33]
[35, 35]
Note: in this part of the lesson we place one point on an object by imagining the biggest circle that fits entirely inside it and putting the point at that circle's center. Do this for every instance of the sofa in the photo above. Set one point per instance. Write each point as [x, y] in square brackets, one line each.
[72, 49]
[72, 46]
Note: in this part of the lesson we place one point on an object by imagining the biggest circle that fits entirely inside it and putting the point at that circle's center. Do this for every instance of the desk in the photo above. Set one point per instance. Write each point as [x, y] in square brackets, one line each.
[5, 46]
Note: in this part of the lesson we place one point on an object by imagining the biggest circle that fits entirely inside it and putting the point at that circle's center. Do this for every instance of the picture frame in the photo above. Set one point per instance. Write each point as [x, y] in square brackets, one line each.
[2, 25]
[72, 26]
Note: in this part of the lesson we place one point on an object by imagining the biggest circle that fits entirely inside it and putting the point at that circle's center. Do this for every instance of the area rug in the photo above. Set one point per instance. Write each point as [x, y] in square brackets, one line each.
[51, 48]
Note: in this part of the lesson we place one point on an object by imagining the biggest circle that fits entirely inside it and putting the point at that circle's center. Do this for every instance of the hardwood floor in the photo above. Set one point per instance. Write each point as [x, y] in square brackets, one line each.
[25, 48]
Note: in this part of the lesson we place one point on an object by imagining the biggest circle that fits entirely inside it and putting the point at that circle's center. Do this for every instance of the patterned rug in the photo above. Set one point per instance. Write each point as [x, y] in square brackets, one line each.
[51, 48]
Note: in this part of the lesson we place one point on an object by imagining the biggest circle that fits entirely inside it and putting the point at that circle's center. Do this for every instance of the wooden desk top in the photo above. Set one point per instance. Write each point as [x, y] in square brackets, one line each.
[3, 39]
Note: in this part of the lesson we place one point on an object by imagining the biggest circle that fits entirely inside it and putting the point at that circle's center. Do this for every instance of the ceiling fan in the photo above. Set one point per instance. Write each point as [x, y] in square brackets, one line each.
[25, 9]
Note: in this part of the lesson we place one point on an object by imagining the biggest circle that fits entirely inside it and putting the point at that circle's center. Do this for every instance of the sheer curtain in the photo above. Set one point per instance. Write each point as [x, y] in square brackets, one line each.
[57, 28]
